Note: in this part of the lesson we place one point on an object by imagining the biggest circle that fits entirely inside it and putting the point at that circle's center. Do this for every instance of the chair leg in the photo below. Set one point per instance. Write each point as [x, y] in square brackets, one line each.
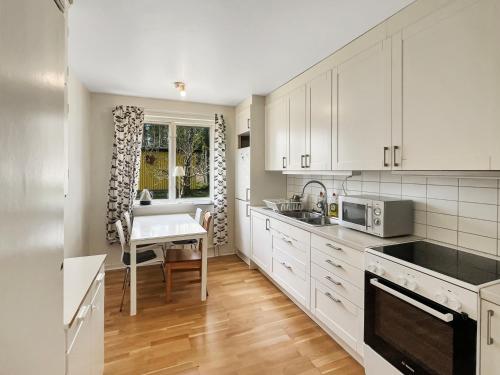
[163, 272]
[168, 287]
[124, 287]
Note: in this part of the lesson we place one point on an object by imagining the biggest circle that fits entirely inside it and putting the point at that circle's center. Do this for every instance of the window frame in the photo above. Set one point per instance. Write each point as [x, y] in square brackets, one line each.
[172, 147]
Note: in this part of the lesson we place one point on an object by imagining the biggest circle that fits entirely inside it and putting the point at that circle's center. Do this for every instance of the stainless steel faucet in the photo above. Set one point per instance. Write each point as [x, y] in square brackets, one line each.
[324, 204]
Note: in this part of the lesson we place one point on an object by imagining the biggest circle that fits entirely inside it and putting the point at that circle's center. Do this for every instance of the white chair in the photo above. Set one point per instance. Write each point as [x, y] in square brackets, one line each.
[193, 243]
[146, 257]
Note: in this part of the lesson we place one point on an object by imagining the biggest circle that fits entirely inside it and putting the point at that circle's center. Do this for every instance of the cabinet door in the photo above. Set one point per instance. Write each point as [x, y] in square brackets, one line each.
[262, 251]
[319, 116]
[243, 121]
[242, 181]
[490, 328]
[97, 327]
[297, 120]
[364, 110]
[449, 74]
[79, 356]
[277, 135]
[243, 238]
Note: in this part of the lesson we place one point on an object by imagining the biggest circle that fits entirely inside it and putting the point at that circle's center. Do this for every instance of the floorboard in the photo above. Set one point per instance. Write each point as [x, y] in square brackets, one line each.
[246, 326]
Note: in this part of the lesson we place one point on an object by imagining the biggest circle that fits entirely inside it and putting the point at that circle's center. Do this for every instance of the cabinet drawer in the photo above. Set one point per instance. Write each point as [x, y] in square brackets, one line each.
[339, 314]
[297, 286]
[293, 265]
[338, 267]
[339, 251]
[299, 237]
[338, 285]
[296, 250]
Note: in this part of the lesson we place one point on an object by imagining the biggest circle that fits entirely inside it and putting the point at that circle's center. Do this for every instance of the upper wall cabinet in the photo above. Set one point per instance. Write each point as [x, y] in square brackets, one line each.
[297, 123]
[364, 110]
[277, 135]
[243, 121]
[446, 80]
[319, 122]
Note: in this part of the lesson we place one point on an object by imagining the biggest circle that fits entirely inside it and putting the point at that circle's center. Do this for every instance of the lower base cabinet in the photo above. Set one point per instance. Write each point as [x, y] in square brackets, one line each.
[490, 338]
[262, 242]
[339, 314]
[85, 336]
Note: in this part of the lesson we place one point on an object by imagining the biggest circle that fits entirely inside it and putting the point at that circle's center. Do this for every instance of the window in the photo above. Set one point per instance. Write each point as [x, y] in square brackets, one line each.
[176, 161]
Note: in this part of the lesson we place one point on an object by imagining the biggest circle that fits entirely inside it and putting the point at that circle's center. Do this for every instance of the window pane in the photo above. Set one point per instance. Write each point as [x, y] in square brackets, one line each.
[193, 154]
[154, 161]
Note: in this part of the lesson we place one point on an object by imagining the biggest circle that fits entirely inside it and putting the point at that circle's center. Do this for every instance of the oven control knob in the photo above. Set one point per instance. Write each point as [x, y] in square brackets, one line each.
[455, 304]
[376, 221]
[371, 267]
[412, 285]
[377, 211]
[441, 298]
[402, 280]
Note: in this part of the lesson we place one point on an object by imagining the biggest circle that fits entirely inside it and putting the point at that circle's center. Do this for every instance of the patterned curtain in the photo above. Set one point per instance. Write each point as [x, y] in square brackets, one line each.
[220, 188]
[124, 165]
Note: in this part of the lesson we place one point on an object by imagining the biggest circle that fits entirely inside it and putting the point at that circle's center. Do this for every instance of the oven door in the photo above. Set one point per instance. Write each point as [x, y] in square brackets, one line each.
[355, 213]
[417, 335]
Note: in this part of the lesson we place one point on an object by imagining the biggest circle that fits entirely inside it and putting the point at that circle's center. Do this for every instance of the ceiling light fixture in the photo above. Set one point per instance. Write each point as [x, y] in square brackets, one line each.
[181, 87]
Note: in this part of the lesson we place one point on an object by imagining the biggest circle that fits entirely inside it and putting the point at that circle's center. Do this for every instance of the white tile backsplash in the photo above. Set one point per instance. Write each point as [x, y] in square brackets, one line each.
[463, 212]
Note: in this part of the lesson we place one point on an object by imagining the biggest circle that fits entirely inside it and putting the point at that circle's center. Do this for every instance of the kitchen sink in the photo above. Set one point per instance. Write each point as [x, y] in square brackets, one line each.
[308, 217]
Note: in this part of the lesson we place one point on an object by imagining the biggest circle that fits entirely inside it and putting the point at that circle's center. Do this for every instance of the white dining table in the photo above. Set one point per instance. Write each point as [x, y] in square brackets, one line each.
[160, 229]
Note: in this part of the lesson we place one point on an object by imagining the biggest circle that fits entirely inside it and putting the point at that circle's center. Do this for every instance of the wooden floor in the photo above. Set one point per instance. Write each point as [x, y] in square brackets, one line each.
[247, 326]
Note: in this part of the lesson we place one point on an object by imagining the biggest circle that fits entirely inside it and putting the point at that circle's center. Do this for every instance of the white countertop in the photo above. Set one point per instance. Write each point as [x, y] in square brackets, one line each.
[79, 273]
[349, 237]
[161, 226]
[491, 293]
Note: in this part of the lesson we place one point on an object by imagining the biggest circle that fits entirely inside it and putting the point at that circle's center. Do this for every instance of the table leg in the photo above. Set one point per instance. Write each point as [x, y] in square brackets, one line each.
[204, 251]
[133, 279]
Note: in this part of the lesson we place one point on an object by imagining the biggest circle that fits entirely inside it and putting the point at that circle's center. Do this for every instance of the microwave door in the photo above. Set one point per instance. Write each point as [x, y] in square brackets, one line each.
[355, 215]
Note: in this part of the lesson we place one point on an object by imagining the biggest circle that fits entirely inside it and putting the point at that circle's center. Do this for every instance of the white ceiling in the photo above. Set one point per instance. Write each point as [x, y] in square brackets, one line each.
[224, 50]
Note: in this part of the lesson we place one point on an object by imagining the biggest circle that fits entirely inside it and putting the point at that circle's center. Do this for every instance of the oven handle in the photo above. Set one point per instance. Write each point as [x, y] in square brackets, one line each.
[444, 317]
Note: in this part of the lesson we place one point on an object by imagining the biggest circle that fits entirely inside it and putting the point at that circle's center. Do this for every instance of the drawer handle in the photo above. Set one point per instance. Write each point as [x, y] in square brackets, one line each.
[333, 281]
[333, 247]
[100, 277]
[288, 267]
[336, 300]
[287, 240]
[333, 263]
[82, 314]
[489, 339]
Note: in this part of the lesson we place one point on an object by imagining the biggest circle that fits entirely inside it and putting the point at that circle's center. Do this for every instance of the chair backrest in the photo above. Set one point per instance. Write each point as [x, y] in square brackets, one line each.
[197, 216]
[121, 235]
[128, 222]
[207, 220]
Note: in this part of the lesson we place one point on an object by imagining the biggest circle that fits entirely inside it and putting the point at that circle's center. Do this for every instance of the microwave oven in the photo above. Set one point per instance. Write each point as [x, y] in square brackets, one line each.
[380, 216]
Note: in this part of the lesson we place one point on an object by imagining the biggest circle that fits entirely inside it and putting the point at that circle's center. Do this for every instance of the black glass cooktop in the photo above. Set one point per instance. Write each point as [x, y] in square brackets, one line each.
[470, 268]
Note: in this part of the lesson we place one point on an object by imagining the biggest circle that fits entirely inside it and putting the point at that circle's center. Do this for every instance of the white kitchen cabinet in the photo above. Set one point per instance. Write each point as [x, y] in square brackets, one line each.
[319, 122]
[79, 351]
[262, 243]
[447, 108]
[364, 110]
[243, 122]
[242, 181]
[276, 138]
[242, 227]
[490, 329]
[297, 123]
[97, 327]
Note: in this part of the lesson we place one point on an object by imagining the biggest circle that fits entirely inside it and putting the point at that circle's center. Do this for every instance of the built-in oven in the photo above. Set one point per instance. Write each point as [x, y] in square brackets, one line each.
[417, 335]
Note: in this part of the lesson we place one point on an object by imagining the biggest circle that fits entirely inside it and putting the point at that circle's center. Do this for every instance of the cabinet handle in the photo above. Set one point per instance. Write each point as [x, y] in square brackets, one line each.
[333, 281]
[100, 277]
[247, 194]
[332, 298]
[284, 162]
[287, 240]
[333, 263]
[302, 161]
[308, 160]
[268, 224]
[289, 268]
[248, 123]
[333, 247]
[82, 314]
[489, 339]
[386, 164]
[394, 155]
[247, 210]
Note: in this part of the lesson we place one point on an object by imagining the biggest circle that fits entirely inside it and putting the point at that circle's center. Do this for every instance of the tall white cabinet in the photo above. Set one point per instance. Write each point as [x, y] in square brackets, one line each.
[253, 183]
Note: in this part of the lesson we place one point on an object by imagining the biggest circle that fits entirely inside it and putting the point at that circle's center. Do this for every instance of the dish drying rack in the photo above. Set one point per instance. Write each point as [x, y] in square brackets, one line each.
[283, 205]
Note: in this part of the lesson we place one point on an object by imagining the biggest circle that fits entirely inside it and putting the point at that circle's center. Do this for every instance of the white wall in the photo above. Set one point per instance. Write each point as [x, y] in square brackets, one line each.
[459, 212]
[77, 202]
[102, 127]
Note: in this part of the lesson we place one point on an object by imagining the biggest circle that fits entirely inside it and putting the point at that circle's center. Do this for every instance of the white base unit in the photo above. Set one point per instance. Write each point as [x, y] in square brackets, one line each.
[242, 227]
[262, 242]
[490, 338]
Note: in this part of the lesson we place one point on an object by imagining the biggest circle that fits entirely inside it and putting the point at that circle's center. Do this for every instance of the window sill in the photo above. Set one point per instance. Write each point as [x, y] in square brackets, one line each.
[177, 202]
